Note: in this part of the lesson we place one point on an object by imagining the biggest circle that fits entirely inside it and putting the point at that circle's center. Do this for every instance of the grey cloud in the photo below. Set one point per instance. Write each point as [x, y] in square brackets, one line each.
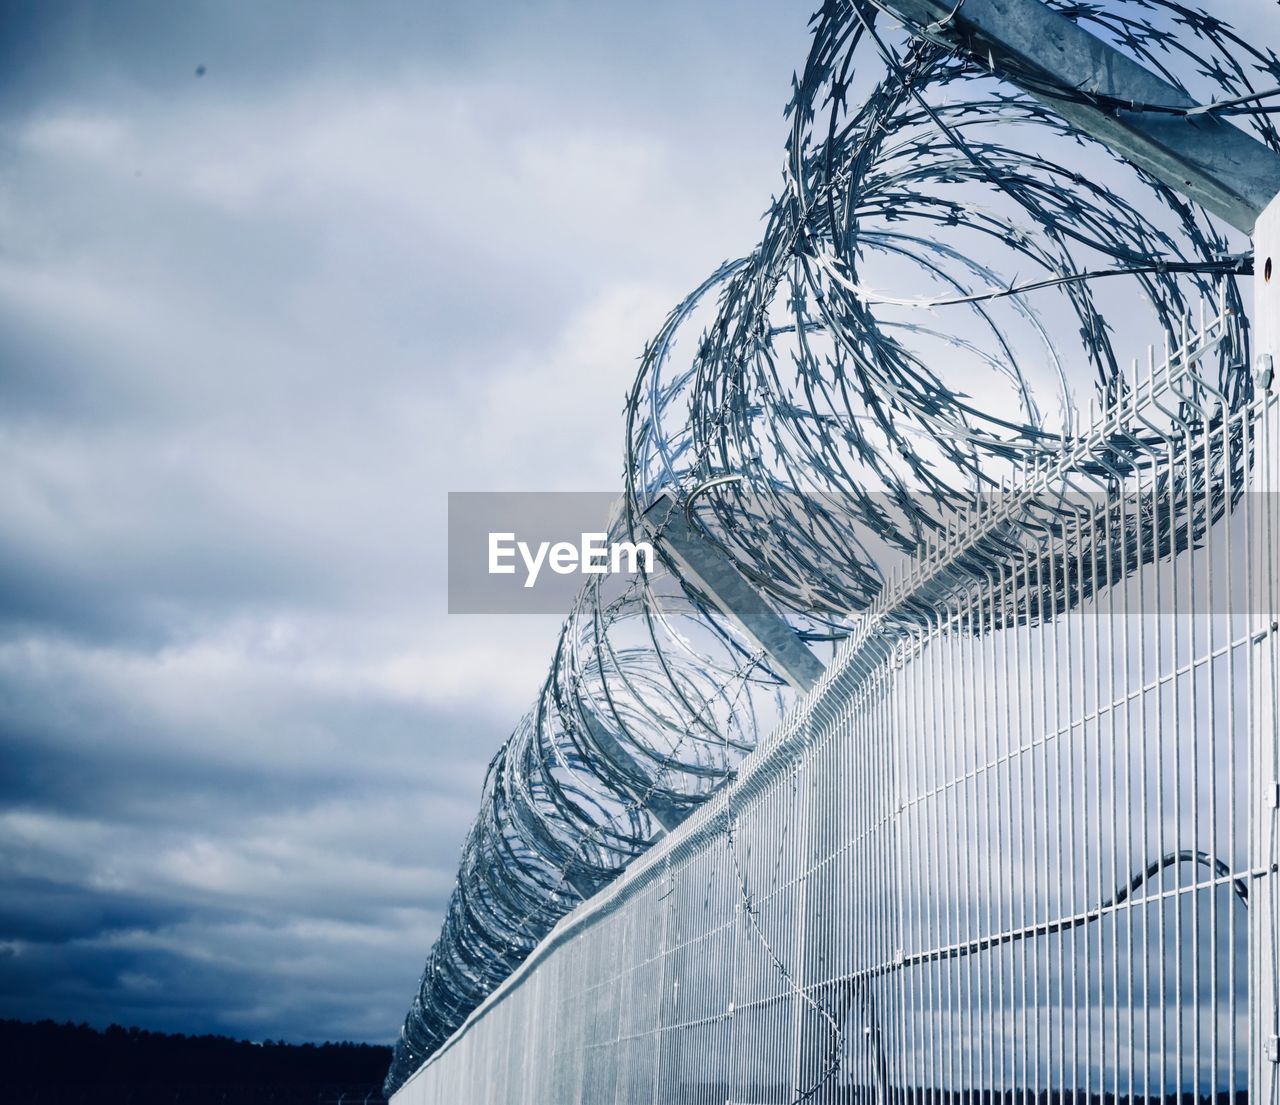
[253, 327]
[47, 911]
[240, 979]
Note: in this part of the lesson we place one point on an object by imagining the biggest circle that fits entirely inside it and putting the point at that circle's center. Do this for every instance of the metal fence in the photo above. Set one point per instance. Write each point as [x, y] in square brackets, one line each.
[1003, 850]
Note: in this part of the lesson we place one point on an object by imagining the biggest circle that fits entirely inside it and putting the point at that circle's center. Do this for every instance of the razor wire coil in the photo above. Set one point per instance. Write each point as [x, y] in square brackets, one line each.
[949, 276]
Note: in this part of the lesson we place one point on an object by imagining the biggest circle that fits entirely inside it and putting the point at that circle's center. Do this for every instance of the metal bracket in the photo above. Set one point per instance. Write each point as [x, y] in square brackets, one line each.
[665, 812]
[733, 593]
[1029, 44]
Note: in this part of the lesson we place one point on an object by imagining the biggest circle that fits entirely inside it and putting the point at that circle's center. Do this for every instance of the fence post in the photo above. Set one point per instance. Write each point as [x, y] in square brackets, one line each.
[1264, 816]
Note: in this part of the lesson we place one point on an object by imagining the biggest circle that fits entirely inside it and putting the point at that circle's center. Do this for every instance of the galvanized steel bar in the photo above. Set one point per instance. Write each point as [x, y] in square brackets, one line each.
[1104, 93]
[706, 566]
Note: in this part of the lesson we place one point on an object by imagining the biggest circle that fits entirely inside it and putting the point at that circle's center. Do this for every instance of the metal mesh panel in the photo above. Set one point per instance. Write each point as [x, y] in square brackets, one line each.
[1002, 850]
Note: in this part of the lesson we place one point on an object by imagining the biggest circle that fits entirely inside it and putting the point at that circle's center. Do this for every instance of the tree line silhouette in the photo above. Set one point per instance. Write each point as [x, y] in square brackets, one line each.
[45, 1063]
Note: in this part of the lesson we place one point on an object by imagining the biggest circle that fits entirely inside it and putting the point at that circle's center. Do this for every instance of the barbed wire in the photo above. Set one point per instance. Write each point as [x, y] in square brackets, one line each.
[923, 322]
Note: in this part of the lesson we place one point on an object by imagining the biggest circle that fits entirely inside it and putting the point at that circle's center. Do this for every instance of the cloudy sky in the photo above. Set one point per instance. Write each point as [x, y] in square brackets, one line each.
[274, 278]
